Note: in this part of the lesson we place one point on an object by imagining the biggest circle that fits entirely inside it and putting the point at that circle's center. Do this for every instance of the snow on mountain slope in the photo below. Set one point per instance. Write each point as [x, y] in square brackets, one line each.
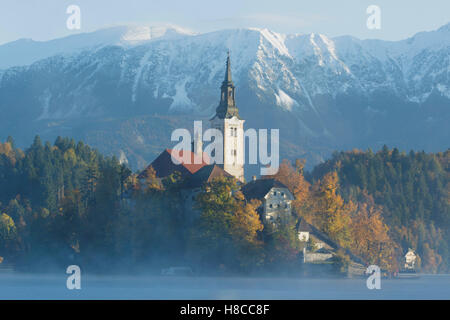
[26, 51]
[301, 66]
[342, 90]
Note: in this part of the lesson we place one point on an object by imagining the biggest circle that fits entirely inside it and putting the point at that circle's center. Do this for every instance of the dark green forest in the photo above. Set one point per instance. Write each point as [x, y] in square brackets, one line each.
[414, 190]
[65, 203]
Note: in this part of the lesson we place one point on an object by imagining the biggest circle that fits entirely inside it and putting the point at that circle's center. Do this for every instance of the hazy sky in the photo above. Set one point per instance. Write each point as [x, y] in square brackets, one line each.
[46, 19]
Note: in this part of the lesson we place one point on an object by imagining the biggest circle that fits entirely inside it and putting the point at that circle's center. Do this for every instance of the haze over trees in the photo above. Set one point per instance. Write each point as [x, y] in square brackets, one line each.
[65, 203]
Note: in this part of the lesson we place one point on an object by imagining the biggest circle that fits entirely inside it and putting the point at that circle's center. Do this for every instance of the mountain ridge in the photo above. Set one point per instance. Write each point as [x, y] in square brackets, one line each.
[326, 93]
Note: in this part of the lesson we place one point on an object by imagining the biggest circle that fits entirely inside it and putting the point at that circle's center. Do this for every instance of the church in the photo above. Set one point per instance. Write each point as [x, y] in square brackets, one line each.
[275, 197]
[230, 124]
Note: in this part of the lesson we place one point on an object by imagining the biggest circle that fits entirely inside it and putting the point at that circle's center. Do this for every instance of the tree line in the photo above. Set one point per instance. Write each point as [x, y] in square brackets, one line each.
[412, 191]
[66, 203]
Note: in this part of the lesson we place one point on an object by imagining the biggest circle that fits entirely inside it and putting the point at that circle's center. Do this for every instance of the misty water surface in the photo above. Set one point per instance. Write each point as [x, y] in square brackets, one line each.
[32, 286]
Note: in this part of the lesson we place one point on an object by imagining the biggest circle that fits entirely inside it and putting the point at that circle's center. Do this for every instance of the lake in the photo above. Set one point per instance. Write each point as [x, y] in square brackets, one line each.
[32, 286]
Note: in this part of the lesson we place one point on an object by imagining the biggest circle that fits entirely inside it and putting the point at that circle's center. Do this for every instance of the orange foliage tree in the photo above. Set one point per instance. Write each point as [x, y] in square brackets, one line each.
[370, 236]
[292, 177]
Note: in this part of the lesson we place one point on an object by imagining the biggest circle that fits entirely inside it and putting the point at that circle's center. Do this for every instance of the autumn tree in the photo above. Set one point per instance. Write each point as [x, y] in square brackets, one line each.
[331, 213]
[244, 229]
[370, 236]
[151, 180]
[8, 234]
[413, 189]
[226, 233]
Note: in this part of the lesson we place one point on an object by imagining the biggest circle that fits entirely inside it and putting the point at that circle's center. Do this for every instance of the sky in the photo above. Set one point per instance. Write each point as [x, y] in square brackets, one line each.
[400, 19]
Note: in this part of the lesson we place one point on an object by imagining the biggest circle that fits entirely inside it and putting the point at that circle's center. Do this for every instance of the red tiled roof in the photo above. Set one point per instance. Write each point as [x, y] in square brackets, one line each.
[164, 166]
[205, 174]
[191, 164]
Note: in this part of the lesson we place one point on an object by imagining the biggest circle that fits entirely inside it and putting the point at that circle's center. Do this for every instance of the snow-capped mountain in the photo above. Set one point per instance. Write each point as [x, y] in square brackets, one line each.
[26, 51]
[323, 93]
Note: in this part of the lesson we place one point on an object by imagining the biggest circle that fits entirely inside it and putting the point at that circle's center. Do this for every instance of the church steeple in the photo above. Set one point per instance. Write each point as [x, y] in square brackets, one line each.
[228, 70]
[227, 106]
[231, 126]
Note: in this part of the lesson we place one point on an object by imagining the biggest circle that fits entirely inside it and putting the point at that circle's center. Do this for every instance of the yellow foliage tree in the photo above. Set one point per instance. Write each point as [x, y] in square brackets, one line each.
[12, 154]
[151, 181]
[244, 228]
[370, 237]
[245, 223]
[331, 213]
[228, 227]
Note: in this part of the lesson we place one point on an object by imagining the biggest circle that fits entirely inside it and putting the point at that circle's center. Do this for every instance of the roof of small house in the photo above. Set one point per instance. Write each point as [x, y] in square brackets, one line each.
[303, 226]
[258, 189]
[323, 250]
[204, 175]
[164, 166]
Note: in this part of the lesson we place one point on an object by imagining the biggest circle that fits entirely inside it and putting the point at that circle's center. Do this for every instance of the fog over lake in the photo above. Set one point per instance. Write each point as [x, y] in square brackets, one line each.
[33, 286]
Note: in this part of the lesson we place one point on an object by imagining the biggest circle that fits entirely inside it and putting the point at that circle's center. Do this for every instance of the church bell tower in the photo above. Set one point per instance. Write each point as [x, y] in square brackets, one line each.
[228, 121]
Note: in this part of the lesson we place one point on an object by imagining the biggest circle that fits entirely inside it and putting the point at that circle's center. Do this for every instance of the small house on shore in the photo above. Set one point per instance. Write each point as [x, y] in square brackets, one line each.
[275, 197]
[319, 248]
[410, 260]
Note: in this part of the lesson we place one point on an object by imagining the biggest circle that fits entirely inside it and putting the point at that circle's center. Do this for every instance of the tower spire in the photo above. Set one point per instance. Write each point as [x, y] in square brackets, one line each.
[230, 124]
[228, 70]
[227, 106]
